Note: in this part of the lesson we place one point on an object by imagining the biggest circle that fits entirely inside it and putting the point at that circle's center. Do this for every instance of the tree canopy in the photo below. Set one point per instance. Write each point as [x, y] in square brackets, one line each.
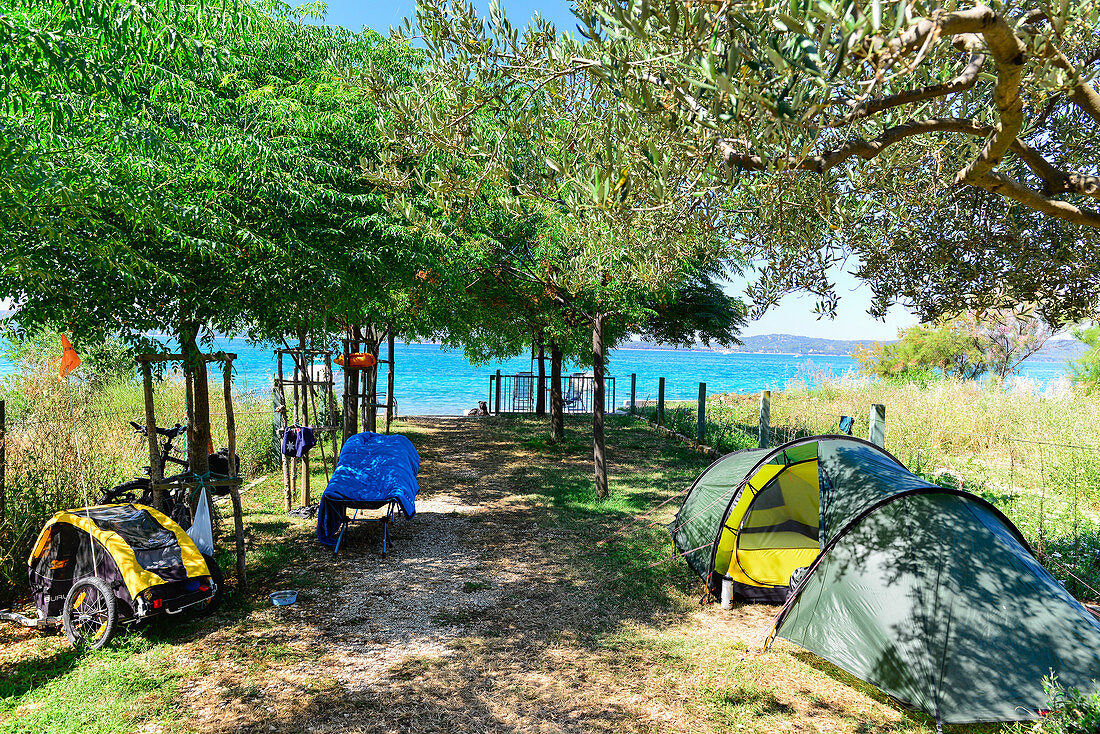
[808, 133]
[966, 346]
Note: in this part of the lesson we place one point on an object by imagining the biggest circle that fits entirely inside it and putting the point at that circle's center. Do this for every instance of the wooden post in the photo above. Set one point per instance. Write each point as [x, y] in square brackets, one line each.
[234, 471]
[305, 480]
[295, 462]
[364, 398]
[633, 389]
[307, 386]
[876, 431]
[370, 401]
[345, 419]
[702, 413]
[3, 458]
[238, 527]
[497, 410]
[389, 382]
[156, 471]
[661, 402]
[332, 407]
[230, 420]
[351, 385]
[283, 423]
[764, 433]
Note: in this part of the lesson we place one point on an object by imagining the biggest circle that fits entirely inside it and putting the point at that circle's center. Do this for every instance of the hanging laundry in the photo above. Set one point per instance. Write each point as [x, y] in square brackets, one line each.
[298, 440]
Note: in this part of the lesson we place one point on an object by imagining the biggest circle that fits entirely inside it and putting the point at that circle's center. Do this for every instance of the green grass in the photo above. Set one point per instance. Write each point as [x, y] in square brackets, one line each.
[109, 690]
[609, 541]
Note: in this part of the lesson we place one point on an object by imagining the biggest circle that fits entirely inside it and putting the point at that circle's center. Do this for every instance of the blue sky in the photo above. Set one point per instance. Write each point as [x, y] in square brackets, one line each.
[794, 315]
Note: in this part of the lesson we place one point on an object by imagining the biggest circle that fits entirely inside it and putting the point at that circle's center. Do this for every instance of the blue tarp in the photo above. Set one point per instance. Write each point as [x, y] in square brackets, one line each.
[373, 469]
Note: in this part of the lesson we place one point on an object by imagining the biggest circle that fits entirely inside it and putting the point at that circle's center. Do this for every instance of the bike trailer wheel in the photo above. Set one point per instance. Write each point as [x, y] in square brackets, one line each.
[91, 613]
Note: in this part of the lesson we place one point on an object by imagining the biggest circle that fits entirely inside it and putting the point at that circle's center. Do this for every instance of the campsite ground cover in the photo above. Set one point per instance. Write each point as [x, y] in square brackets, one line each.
[498, 610]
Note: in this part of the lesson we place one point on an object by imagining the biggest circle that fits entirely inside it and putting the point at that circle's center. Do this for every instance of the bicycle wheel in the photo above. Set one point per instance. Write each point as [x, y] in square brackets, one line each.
[91, 613]
[127, 492]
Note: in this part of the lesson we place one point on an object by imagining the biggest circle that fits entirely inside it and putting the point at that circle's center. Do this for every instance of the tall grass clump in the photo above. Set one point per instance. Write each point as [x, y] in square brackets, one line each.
[1070, 712]
[67, 441]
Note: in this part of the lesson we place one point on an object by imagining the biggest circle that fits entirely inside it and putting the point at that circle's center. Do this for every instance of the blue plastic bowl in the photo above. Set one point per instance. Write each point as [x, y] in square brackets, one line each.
[284, 598]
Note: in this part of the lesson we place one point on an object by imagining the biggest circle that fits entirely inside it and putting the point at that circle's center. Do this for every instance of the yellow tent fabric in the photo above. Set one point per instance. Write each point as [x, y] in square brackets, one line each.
[757, 546]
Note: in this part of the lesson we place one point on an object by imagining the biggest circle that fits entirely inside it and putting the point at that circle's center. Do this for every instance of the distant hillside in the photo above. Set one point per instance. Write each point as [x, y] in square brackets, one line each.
[790, 344]
[1061, 350]
[773, 344]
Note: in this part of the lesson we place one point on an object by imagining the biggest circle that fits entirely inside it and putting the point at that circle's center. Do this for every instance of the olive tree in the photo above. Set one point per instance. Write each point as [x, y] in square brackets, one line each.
[806, 130]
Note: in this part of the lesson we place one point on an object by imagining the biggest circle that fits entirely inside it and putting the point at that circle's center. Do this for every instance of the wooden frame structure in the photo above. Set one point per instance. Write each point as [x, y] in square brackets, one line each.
[305, 406]
[156, 471]
[361, 386]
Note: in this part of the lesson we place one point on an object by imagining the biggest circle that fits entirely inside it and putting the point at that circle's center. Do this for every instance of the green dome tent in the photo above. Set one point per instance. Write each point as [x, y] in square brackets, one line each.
[930, 594]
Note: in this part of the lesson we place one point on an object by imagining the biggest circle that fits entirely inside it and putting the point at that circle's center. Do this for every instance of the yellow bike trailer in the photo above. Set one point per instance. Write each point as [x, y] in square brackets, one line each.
[96, 567]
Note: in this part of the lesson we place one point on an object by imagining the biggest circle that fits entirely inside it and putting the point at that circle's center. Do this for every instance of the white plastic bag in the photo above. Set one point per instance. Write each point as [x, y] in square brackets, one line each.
[202, 529]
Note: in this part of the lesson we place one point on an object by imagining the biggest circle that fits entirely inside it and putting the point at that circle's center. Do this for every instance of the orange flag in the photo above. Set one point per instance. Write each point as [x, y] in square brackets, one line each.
[70, 360]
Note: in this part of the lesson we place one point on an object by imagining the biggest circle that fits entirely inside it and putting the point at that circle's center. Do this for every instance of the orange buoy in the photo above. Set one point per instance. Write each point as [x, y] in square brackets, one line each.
[357, 360]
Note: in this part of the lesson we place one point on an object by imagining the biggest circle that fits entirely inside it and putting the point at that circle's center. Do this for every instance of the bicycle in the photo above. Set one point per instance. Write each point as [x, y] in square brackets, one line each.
[176, 501]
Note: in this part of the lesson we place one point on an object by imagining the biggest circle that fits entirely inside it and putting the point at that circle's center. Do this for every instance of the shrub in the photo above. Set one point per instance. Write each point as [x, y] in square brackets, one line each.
[1071, 712]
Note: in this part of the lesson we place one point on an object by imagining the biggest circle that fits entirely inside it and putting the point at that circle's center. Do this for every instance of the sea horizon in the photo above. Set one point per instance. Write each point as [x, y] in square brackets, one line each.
[431, 379]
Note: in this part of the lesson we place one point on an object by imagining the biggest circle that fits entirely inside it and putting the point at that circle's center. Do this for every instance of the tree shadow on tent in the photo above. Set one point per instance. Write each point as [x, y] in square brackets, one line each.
[935, 598]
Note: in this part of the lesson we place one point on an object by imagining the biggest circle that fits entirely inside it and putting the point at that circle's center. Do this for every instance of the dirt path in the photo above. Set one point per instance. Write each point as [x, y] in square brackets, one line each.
[475, 621]
[481, 620]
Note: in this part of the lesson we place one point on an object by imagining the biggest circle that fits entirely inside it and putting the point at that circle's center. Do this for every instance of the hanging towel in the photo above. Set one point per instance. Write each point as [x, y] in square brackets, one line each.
[298, 440]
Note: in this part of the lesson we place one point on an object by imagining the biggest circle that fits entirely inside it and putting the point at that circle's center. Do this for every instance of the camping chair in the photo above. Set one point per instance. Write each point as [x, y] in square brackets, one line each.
[573, 399]
[374, 472]
[387, 517]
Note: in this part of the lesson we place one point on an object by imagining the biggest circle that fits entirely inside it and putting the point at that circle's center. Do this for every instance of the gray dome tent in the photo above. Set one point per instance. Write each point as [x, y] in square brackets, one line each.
[931, 594]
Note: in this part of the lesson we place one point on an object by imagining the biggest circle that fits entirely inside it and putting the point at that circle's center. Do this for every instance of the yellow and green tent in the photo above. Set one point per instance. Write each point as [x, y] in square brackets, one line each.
[929, 593]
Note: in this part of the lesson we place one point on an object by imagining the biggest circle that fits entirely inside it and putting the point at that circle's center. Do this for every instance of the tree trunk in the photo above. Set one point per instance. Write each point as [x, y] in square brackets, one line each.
[390, 404]
[198, 425]
[598, 446]
[351, 386]
[557, 408]
[370, 399]
[540, 386]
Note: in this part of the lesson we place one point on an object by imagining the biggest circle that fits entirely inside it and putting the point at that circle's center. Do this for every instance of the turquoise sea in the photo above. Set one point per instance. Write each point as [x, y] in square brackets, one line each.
[432, 380]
